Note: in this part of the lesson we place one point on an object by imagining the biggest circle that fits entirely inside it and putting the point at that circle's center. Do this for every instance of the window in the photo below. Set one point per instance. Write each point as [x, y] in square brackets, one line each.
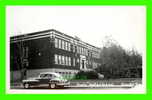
[66, 60]
[60, 59]
[66, 45]
[69, 47]
[69, 61]
[63, 44]
[78, 49]
[73, 61]
[56, 59]
[63, 60]
[56, 43]
[78, 60]
[59, 43]
[82, 50]
[46, 76]
[73, 48]
[86, 52]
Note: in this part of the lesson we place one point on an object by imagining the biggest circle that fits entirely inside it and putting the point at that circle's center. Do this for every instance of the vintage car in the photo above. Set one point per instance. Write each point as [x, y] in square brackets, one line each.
[51, 79]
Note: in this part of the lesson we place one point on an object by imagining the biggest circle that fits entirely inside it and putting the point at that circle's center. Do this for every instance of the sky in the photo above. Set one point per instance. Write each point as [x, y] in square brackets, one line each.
[126, 24]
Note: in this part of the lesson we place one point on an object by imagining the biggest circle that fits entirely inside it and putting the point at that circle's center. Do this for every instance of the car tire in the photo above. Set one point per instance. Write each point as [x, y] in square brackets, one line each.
[62, 86]
[52, 85]
[26, 85]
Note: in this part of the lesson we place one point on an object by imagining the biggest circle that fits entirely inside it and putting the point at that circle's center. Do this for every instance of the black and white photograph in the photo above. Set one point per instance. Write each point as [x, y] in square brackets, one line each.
[76, 49]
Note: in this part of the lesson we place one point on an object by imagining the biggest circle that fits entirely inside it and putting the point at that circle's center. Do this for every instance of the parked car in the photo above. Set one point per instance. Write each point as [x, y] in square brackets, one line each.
[50, 79]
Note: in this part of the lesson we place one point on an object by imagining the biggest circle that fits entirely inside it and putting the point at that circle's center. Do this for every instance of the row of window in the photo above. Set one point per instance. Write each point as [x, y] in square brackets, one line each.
[66, 73]
[62, 44]
[95, 55]
[68, 61]
[82, 51]
[64, 60]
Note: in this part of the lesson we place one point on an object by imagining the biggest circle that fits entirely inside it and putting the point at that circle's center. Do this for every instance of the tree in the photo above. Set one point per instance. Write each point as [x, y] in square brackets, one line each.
[21, 58]
[115, 60]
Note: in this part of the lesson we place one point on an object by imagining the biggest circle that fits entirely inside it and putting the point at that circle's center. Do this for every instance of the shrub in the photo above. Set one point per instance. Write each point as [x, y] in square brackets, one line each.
[87, 75]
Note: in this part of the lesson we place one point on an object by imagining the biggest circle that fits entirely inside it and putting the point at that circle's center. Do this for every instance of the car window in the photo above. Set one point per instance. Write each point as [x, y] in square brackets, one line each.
[45, 76]
[53, 76]
[42, 75]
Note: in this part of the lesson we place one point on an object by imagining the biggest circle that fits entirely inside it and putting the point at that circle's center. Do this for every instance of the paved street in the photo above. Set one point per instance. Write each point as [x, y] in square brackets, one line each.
[90, 84]
[69, 88]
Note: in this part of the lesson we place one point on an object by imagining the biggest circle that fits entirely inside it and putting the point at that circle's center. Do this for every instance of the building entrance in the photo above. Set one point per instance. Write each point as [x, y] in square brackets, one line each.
[82, 62]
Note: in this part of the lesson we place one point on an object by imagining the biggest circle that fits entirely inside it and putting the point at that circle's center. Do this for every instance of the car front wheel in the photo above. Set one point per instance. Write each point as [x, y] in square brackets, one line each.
[52, 85]
[26, 85]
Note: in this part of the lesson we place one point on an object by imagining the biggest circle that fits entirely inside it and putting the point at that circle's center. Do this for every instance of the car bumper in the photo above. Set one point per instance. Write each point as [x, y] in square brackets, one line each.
[64, 84]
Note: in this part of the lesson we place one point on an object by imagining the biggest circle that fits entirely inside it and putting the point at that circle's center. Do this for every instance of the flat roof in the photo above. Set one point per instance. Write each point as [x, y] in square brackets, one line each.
[46, 31]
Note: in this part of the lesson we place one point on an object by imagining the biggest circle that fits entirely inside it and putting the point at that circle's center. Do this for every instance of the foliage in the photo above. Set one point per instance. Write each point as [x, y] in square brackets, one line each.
[87, 75]
[116, 62]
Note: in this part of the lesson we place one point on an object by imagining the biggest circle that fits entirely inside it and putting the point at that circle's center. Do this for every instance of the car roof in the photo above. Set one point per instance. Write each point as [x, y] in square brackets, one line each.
[51, 73]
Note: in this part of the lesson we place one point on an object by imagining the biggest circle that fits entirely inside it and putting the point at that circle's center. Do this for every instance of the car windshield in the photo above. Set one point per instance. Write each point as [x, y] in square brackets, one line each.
[50, 76]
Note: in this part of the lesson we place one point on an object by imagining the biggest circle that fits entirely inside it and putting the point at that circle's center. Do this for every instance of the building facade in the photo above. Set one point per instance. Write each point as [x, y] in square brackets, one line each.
[50, 50]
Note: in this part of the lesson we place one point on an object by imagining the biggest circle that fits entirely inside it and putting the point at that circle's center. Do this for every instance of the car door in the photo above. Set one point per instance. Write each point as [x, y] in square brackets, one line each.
[44, 79]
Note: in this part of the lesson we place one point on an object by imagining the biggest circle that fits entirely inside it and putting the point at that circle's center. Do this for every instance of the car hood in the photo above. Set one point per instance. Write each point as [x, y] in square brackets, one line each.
[36, 79]
[31, 79]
